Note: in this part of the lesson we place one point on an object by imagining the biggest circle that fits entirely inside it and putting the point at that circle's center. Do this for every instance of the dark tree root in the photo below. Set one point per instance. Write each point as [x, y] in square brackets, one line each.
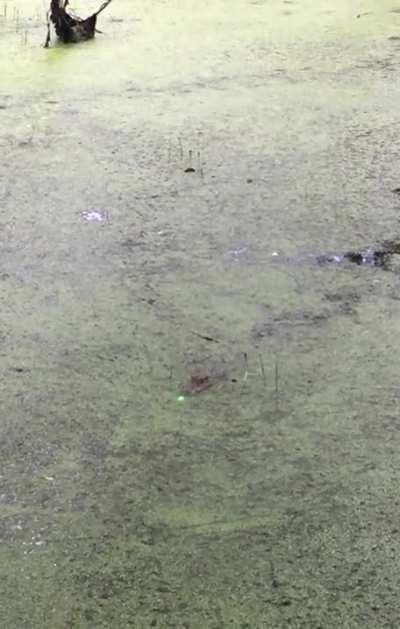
[71, 28]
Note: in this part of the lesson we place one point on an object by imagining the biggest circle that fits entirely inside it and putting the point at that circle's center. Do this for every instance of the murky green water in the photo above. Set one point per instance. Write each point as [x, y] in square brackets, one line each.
[270, 499]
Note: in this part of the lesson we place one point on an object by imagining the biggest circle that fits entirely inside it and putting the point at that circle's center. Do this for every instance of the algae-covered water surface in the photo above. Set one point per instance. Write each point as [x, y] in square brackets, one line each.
[199, 419]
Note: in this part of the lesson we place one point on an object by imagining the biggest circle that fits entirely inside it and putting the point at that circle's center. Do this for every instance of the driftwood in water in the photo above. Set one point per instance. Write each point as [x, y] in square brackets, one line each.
[71, 28]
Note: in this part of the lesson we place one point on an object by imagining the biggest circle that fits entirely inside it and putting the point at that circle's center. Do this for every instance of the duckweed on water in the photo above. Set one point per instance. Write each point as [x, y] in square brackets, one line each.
[122, 506]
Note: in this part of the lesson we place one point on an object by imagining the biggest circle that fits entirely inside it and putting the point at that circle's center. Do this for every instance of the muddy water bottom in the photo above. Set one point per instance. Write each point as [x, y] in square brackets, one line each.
[194, 431]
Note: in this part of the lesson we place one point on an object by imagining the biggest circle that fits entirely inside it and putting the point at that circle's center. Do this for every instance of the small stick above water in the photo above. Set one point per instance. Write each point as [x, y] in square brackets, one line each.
[262, 368]
[205, 337]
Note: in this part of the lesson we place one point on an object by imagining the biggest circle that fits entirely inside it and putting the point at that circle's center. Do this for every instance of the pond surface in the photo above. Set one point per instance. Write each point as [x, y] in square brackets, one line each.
[200, 423]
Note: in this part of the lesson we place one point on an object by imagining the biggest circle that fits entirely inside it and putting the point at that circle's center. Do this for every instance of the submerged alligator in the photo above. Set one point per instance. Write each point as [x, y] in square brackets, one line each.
[386, 256]
[380, 257]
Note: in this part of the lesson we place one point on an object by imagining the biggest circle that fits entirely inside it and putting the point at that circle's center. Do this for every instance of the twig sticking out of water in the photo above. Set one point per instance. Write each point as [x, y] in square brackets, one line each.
[276, 395]
[190, 168]
[205, 337]
[274, 581]
[103, 6]
[246, 367]
[199, 166]
[260, 358]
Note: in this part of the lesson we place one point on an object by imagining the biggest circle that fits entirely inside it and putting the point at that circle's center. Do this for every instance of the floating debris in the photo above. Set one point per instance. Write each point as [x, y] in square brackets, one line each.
[197, 384]
[93, 217]
[239, 253]
[205, 378]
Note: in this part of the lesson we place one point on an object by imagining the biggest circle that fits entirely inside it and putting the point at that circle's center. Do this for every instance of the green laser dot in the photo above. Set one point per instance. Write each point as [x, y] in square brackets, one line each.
[180, 398]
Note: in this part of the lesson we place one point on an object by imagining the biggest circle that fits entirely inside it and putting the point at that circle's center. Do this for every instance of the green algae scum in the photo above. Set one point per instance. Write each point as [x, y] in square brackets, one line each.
[199, 424]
